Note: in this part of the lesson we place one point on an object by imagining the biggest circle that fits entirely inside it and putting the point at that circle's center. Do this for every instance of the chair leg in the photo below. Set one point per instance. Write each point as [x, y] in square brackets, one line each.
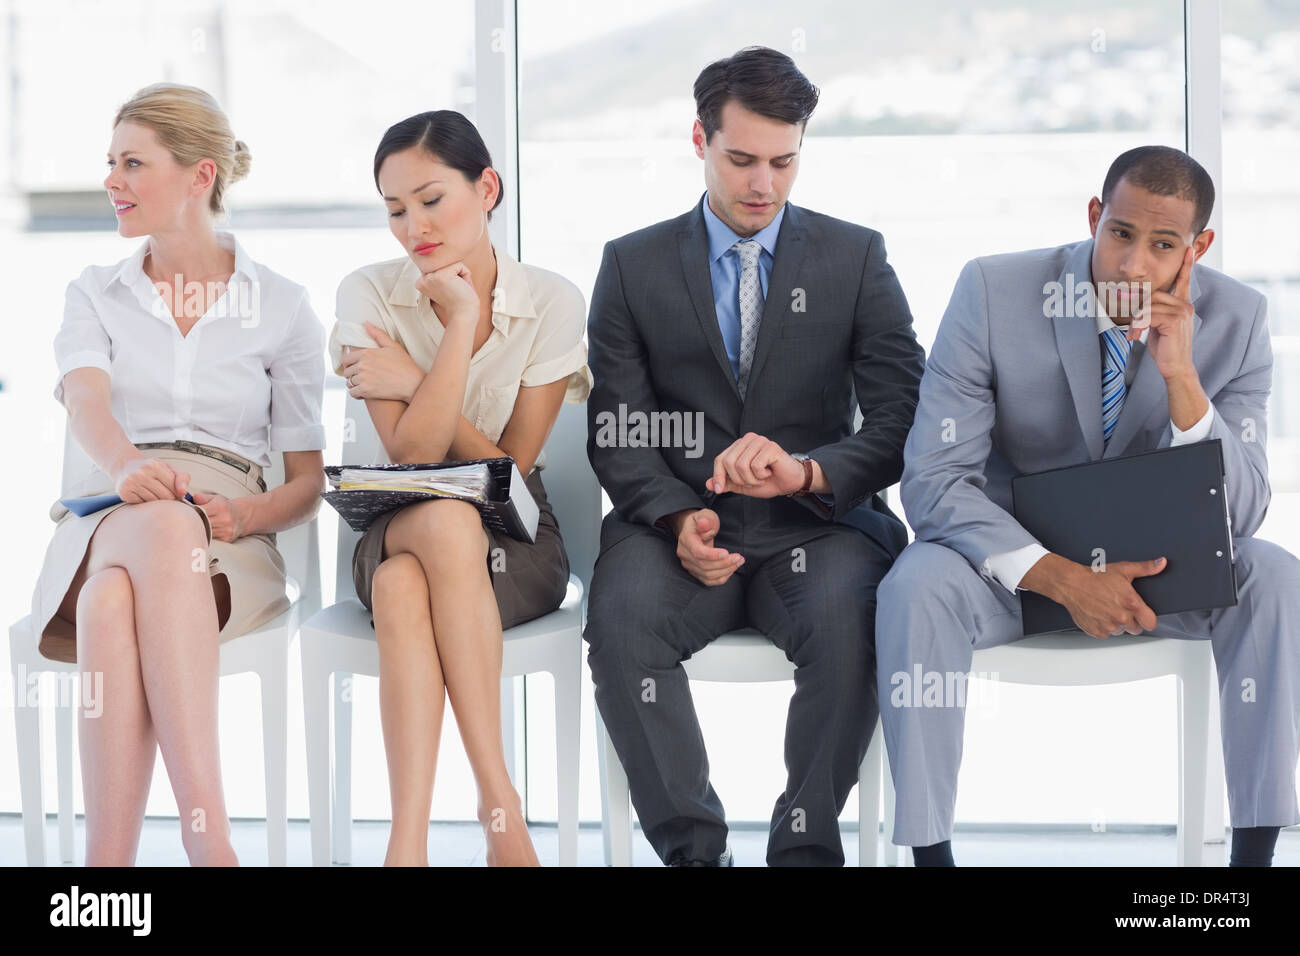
[616, 812]
[894, 855]
[869, 799]
[1193, 751]
[274, 679]
[27, 724]
[568, 731]
[1215, 786]
[606, 841]
[342, 779]
[65, 703]
[316, 716]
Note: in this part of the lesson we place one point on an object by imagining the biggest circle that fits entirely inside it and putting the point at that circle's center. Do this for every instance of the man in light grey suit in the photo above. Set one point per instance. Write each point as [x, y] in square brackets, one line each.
[1019, 381]
[753, 328]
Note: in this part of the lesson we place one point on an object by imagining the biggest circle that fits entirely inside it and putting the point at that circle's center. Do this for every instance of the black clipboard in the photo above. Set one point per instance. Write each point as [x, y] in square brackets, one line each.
[1098, 511]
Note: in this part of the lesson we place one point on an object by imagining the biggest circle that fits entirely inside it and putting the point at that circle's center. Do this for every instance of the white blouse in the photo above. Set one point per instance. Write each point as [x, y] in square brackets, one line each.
[249, 377]
[538, 323]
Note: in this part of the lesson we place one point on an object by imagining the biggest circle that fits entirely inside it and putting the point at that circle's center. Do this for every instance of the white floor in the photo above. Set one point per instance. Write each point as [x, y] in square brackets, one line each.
[461, 844]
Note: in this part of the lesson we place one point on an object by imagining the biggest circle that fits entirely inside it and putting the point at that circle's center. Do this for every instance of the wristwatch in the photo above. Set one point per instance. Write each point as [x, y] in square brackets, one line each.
[807, 474]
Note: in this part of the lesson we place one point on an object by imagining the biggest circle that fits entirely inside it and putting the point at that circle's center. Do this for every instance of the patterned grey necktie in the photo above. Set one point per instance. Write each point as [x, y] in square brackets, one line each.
[751, 306]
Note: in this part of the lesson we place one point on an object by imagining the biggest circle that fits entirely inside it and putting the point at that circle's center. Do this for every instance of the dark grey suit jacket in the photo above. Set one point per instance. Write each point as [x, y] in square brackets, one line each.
[835, 324]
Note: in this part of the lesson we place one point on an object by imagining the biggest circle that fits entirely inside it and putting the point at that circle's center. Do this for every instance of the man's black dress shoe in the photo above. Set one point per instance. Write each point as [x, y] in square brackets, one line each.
[724, 860]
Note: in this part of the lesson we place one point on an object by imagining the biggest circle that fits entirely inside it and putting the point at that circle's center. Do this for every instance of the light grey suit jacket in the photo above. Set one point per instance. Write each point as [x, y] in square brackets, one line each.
[1008, 391]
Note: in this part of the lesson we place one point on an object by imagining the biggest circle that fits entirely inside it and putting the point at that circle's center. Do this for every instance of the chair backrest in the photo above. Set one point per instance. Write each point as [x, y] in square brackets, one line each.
[76, 463]
[299, 546]
[361, 446]
[571, 487]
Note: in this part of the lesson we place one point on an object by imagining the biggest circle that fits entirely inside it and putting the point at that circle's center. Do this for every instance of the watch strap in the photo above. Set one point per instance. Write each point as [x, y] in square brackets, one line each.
[807, 476]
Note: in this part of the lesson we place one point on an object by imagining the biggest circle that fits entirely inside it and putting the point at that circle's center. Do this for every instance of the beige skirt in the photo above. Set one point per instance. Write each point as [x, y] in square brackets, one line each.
[248, 576]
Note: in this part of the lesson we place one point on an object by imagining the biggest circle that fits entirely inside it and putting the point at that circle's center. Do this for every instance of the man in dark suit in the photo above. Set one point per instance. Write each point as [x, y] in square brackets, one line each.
[757, 322]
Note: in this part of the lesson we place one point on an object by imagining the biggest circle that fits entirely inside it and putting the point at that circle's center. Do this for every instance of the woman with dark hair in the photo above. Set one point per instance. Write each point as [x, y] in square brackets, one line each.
[459, 352]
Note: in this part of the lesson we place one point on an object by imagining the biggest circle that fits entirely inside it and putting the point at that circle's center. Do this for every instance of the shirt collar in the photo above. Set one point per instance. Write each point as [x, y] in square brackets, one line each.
[1104, 322]
[722, 237]
[131, 270]
[511, 298]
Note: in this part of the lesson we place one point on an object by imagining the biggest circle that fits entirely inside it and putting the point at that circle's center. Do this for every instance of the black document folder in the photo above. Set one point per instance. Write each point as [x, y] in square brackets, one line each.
[507, 506]
[1170, 502]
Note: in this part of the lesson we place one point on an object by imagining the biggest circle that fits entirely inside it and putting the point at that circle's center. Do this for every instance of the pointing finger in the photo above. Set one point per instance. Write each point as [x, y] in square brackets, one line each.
[1182, 284]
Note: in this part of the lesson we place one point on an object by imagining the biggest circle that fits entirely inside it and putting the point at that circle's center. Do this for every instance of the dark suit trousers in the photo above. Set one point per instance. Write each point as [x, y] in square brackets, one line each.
[646, 615]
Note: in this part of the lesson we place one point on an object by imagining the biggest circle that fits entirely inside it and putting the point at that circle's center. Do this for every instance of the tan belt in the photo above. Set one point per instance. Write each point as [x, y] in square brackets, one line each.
[211, 451]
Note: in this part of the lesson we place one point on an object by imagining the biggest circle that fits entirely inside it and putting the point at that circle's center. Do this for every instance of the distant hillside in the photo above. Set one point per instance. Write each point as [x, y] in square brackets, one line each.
[625, 78]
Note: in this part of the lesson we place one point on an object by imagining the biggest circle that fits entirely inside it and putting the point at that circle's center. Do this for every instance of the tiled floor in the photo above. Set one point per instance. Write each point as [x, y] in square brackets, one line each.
[461, 844]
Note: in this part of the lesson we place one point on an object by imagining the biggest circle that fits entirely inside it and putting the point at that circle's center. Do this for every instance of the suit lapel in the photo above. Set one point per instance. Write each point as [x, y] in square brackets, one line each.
[1148, 390]
[1076, 340]
[790, 248]
[694, 248]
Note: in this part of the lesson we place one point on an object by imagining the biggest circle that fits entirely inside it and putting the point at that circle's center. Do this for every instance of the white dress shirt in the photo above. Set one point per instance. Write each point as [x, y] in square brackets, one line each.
[1010, 567]
[249, 377]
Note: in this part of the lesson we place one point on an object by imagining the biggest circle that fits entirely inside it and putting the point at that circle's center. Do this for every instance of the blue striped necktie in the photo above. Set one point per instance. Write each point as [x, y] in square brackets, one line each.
[1112, 378]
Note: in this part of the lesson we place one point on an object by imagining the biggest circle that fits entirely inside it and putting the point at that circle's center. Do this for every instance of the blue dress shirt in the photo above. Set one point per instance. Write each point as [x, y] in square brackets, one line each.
[724, 269]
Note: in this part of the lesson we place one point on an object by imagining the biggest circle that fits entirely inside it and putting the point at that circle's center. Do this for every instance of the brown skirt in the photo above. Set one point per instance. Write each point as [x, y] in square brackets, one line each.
[529, 580]
[253, 586]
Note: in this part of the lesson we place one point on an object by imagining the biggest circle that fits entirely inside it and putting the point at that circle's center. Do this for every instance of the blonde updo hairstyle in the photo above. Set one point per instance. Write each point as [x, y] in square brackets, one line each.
[191, 126]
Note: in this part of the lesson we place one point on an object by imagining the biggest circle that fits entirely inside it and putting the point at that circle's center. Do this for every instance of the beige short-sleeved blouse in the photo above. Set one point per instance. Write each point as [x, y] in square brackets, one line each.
[539, 321]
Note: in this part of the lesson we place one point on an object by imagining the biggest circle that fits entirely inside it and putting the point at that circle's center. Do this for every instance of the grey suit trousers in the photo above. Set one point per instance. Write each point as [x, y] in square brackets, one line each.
[935, 610]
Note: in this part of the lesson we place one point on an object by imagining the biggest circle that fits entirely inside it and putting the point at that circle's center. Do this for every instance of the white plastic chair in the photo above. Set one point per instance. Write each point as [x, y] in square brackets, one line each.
[1076, 660]
[264, 652]
[743, 656]
[340, 642]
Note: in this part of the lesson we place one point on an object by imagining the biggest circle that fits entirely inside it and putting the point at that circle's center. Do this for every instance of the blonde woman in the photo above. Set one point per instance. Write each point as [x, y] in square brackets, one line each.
[459, 352]
[182, 368]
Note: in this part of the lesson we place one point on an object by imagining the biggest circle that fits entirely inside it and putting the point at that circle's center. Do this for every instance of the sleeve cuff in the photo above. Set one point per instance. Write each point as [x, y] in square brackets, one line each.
[298, 438]
[347, 334]
[572, 365]
[1198, 432]
[87, 358]
[1010, 567]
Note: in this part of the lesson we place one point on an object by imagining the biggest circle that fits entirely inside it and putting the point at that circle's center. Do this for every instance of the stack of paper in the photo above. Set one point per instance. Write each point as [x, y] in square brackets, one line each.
[361, 493]
[463, 481]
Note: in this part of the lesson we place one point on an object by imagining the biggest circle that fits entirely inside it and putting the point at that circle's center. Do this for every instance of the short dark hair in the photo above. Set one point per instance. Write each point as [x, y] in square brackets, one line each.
[763, 80]
[447, 136]
[1164, 171]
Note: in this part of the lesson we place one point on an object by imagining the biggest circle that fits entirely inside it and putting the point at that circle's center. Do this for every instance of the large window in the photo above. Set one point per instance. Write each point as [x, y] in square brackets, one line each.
[957, 130]
[310, 87]
[1261, 215]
